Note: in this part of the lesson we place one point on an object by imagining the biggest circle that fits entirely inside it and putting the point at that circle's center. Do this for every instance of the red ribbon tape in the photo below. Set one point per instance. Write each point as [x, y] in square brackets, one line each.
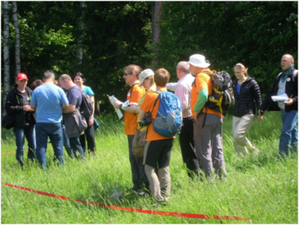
[153, 212]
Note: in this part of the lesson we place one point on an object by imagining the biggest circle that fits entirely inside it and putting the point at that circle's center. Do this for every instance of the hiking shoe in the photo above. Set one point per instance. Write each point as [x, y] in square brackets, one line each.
[158, 205]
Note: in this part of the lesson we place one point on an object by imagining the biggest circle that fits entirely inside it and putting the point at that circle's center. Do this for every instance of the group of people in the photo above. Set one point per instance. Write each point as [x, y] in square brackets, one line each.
[50, 111]
[201, 133]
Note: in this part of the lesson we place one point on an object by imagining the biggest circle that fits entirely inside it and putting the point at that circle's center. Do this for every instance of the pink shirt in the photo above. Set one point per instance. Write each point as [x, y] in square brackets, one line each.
[183, 91]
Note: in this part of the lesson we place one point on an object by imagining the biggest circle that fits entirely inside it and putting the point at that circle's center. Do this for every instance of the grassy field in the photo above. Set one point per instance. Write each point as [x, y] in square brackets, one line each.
[259, 187]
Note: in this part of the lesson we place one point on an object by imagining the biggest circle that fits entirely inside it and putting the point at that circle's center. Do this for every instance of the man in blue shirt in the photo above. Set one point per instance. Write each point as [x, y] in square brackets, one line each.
[48, 100]
[71, 113]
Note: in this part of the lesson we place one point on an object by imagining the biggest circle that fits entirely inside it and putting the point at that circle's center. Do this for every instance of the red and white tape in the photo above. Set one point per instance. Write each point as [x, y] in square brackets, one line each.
[153, 212]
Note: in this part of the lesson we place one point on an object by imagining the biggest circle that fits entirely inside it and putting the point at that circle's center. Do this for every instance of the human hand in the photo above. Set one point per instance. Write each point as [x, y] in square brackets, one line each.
[259, 118]
[90, 121]
[289, 101]
[26, 107]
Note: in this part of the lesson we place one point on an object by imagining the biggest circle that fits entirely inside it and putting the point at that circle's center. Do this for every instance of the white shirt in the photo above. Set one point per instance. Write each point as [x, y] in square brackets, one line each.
[182, 89]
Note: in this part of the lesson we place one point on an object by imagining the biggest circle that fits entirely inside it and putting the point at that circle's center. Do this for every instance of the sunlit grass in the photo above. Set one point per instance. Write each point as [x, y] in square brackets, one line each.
[258, 187]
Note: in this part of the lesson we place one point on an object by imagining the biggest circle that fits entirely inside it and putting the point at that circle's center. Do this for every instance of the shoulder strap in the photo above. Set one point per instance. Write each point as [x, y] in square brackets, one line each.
[131, 89]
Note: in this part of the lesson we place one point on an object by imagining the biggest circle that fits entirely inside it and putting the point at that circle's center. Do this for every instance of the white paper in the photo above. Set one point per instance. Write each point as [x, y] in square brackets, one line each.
[282, 97]
[118, 111]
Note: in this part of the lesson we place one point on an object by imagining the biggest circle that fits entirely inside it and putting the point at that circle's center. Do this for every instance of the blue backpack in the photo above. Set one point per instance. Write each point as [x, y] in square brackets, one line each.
[168, 120]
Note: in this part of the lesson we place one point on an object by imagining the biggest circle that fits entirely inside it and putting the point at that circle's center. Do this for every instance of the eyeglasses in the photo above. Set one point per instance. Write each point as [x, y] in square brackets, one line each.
[126, 74]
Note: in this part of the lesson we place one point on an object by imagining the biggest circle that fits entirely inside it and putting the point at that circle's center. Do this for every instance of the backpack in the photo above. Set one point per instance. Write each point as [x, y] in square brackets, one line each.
[86, 106]
[222, 97]
[168, 120]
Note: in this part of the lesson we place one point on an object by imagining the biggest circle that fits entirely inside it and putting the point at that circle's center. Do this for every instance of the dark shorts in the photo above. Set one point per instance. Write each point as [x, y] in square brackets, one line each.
[158, 153]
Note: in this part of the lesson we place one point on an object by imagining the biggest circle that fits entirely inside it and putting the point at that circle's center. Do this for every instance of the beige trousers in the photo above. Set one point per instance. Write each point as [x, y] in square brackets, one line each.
[240, 126]
[159, 183]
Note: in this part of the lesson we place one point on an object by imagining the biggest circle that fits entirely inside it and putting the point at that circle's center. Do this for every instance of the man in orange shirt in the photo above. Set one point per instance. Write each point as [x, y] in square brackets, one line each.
[207, 122]
[157, 155]
[131, 77]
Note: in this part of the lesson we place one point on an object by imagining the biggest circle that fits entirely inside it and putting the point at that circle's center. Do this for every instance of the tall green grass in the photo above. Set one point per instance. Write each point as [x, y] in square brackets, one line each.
[259, 187]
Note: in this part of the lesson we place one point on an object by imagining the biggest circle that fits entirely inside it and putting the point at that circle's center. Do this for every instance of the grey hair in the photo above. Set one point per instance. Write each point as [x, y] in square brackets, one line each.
[48, 74]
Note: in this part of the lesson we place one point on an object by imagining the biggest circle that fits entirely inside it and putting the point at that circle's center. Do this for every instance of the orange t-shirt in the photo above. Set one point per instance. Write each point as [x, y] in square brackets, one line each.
[147, 106]
[203, 81]
[131, 118]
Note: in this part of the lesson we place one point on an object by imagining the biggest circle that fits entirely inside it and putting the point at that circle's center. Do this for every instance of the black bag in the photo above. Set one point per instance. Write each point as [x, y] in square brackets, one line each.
[86, 106]
[8, 121]
[222, 97]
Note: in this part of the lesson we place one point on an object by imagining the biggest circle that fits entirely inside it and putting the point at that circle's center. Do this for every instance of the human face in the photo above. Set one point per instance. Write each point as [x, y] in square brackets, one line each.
[286, 62]
[21, 84]
[78, 80]
[240, 75]
[128, 77]
[194, 70]
[147, 82]
[62, 84]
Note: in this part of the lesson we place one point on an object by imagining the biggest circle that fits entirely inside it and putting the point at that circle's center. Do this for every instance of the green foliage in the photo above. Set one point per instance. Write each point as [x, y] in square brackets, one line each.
[259, 187]
[120, 33]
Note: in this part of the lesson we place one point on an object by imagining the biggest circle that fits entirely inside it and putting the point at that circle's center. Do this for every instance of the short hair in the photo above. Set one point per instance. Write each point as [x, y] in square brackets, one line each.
[48, 74]
[132, 68]
[35, 84]
[79, 74]
[290, 57]
[183, 66]
[161, 77]
[243, 68]
[65, 77]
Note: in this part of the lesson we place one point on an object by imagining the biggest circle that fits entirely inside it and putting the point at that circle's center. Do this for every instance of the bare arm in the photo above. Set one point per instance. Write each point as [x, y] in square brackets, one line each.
[69, 108]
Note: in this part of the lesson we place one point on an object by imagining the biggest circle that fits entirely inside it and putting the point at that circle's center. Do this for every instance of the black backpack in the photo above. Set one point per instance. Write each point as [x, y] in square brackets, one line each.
[86, 106]
[222, 97]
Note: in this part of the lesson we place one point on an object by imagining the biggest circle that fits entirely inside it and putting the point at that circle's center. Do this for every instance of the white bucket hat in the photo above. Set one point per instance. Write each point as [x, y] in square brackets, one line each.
[144, 74]
[199, 61]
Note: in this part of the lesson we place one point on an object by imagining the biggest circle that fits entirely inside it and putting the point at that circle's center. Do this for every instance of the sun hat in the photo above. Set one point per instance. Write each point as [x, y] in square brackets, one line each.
[144, 74]
[22, 76]
[199, 61]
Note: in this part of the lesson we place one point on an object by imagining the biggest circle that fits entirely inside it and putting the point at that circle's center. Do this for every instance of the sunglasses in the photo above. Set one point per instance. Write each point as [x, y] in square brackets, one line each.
[126, 74]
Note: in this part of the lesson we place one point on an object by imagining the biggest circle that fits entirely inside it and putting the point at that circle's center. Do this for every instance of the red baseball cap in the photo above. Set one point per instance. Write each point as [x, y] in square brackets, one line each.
[22, 76]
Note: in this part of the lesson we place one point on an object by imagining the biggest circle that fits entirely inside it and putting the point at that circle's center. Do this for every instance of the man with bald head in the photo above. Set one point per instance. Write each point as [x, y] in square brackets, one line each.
[182, 89]
[286, 82]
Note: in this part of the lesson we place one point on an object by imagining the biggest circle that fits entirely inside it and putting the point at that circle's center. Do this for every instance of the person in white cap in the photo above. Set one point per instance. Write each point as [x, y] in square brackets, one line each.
[17, 105]
[207, 122]
[182, 89]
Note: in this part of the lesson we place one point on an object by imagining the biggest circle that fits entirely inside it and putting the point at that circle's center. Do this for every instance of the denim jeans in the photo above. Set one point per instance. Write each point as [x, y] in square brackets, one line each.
[66, 142]
[76, 146]
[289, 135]
[54, 132]
[21, 133]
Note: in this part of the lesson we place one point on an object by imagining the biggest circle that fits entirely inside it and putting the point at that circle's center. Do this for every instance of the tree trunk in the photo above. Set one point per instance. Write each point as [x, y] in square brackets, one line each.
[156, 28]
[79, 54]
[17, 34]
[6, 53]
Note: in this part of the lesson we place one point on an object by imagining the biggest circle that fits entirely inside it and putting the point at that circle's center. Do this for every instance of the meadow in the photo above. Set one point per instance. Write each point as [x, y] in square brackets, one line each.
[260, 187]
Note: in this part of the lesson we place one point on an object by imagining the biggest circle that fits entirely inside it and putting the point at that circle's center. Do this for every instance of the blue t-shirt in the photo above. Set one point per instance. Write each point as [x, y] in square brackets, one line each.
[48, 99]
[87, 90]
[74, 96]
[239, 88]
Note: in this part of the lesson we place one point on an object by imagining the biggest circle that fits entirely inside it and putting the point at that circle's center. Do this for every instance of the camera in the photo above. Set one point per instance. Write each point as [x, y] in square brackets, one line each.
[145, 122]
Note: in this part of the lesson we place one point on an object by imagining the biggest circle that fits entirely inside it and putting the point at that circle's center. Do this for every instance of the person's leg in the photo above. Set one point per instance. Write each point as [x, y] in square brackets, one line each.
[289, 120]
[241, 125]
[31, 139]
[19, 134]
[188, 147]
[154, 183]
[82, 141]
[56, 138]
[41, 143]
[89, 133]
[134, 166]
[66, 142]
[202, 139]
[165, 182]
[217, 152]
[76, 147]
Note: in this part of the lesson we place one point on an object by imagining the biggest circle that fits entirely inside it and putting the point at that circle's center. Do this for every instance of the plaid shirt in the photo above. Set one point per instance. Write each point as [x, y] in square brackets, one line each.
[182, 89]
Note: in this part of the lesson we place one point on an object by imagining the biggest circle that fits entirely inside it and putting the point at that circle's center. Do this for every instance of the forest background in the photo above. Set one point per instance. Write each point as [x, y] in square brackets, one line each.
[101, 38]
